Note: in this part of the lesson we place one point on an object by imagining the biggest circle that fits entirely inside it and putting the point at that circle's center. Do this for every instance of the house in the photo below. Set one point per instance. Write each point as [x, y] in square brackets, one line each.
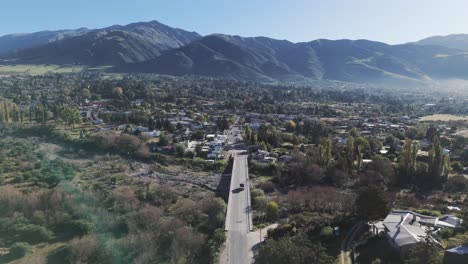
[285, 158]
[405, 228]
[457, 255]
[151, 134]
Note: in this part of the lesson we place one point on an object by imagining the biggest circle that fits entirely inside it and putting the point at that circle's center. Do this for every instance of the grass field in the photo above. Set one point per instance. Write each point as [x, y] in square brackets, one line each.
[443, 117]
[44, 69]
[463, 133]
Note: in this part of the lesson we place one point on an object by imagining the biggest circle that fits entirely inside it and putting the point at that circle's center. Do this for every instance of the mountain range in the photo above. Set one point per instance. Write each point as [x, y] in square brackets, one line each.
[152, 47]
[454, 41]
[108, 46]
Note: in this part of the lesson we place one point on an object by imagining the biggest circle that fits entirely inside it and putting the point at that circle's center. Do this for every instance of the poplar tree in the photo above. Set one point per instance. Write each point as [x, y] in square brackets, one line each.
[350, 155]
[439, 163]
[325, 153]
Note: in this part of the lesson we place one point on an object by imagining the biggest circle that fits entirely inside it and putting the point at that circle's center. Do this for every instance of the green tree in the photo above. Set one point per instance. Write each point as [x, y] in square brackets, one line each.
[370, 204]
[325, 152]
[71, 116]
[297, 250]
[408, 163]
[424, 252]
[272, 209]
[350, 155]
[361, 144]
[180, 149]
[291, 126]
[439, 163]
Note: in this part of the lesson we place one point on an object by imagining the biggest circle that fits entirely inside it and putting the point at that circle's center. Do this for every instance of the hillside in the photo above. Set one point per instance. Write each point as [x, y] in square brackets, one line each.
[454, 41]
[109, 46]
[16, 42]
[267, 59]
[151, 47]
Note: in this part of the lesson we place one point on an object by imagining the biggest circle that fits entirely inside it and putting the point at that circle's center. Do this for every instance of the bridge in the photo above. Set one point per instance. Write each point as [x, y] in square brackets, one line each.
[239, 214]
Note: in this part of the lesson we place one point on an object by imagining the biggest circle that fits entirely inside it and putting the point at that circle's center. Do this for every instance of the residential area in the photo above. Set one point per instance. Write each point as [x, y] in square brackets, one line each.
[341, 178]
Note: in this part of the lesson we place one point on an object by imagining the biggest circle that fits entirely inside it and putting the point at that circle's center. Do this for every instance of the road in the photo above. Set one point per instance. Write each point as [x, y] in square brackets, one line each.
[239, 218]
[347, 243]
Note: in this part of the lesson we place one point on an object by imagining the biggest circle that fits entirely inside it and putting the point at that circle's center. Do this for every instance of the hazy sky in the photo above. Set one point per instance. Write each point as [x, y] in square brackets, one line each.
[391, 21]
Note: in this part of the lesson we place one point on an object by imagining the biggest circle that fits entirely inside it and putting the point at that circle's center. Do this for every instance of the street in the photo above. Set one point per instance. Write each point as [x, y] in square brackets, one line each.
[239, 219]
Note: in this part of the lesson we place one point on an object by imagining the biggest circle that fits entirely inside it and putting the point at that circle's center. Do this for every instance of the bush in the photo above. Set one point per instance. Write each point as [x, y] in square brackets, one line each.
[267, 186]
[429, 212]
[272, 210]
[20, 249]
[281, 231]
[446, 233]
[326, 232]
[32, 233]
[18, 179]
[80, 227]
[456, 184]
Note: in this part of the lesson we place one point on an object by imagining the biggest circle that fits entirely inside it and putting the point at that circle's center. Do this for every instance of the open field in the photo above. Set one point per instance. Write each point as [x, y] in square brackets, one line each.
[44, 69]
[443, 117]
[38, 69]
[463, 133]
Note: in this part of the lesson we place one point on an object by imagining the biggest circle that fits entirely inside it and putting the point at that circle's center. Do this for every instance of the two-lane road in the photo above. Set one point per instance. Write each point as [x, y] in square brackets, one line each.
[239, 220]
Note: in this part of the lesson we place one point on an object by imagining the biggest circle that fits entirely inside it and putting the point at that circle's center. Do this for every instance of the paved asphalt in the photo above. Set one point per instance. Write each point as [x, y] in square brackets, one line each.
[239, 222]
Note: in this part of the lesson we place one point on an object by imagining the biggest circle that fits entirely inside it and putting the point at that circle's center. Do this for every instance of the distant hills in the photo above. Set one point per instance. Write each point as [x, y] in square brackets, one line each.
[267, 59]
[15, 42]
[455, 41]
[152, 47]
[109, 46]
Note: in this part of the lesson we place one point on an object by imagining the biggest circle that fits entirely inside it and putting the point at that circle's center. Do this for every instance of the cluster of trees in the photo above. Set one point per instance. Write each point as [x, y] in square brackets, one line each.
[297, 249]
[150, 225]
[9, 111]
[124, 144]
[432, 172]
[20, 162]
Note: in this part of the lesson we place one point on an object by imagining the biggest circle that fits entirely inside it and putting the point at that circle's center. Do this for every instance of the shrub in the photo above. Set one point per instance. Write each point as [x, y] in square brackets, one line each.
[18, 179]
[429, 212]
[32, 233]
[267, 186]
[80, 227]
[285, 230]
[20, 249]
[456, 184]
[272, 210]
[326, 232]
[446, 233]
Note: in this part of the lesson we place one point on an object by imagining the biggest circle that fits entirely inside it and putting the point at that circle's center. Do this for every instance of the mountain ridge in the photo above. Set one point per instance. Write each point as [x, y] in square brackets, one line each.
[108, 46]
[152, 47]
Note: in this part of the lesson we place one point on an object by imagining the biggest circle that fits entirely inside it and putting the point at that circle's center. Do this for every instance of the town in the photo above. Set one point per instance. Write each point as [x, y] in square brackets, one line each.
[337, 172]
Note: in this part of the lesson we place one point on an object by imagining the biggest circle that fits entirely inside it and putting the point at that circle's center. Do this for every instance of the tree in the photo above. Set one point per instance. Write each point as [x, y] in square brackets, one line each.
[163, 140]
[20, 249]
[180, 149]
[272, 210]
[248, 133]
[424, 252]
[361, 144]
[370, 204]
[118, 91]
[71, 116]
[297, 250]
[408, 164]
[350, 155]
[291, 126]
[439, 163]
[325, 153]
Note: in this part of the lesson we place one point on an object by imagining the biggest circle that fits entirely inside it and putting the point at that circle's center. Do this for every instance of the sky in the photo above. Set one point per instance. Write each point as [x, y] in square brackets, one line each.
[390, 21]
